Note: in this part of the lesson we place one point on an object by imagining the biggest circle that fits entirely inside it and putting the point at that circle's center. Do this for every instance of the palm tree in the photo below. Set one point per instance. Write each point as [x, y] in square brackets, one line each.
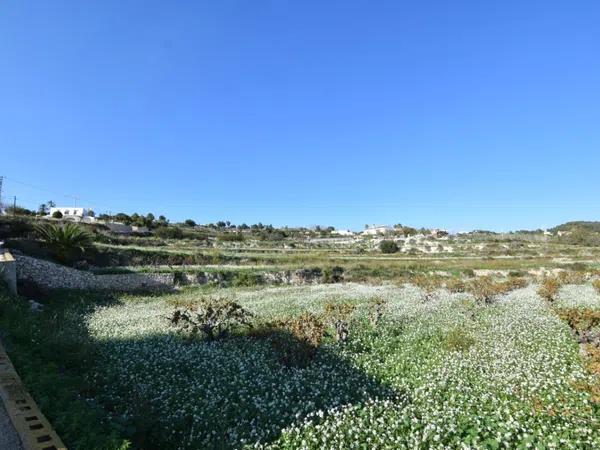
[67, 242]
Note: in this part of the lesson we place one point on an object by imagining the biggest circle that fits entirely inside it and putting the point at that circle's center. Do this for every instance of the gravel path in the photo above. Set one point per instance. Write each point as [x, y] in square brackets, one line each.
[9, 440]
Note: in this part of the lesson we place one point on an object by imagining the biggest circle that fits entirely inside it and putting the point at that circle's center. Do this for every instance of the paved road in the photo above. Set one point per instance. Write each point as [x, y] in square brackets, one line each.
[9, 440]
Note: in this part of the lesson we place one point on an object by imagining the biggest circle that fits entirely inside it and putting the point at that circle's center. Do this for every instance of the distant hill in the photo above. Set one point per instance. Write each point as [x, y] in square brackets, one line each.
[582, 225]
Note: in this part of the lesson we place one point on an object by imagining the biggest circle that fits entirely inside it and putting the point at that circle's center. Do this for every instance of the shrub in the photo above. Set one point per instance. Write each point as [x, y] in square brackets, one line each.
[580, 319]
[338, 314]
[456, 285]
[214, 318]
[572, 277]
[246, 278]
[333, 274]
[166, 232]
[428, 284]
[583, 322]
[388, 247]
[179, 278]
[483, 289]
[596, 284]
[68, 242]
[511, 284]
[190, 223]
[57, 215]
[231, 237]
[549, 288]
[376, 307]
[295, 340]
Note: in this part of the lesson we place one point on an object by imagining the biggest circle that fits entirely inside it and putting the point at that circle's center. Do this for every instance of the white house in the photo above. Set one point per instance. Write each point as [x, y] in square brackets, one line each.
[374, 230]
[343, 232]
[71, 212]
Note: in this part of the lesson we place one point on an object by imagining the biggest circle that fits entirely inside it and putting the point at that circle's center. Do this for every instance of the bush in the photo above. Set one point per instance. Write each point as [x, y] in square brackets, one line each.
[295, 340]
[582, 321]
[549, 288]
[167, 232]
[456, 285]
[376, 306]
[246, 278]
[57, 215]
[483, 289]
[231, 237]
[214, 318]
[428, 284]
[333, 274]
[572, 277]
[68, 242]
[388, 247]
[596, 284]
[338, 315]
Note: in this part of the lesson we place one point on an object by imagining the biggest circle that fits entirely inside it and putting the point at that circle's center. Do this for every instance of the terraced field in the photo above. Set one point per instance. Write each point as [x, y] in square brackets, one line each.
[445, 372]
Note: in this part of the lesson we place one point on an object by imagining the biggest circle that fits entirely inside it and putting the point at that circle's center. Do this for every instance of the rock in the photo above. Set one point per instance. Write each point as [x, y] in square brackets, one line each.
[35, 306]
[81, 265]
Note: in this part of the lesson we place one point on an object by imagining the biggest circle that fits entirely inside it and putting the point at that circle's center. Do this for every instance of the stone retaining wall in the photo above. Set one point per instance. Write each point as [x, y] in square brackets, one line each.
[49, 275]
[54, 276]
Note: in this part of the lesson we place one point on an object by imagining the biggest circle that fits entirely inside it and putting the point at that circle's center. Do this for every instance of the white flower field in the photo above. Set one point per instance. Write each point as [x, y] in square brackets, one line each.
[442, 373]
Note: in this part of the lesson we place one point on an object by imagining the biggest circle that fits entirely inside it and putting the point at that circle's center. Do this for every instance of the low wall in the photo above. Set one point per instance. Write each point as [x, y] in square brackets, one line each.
[54, 276]
[49, 275]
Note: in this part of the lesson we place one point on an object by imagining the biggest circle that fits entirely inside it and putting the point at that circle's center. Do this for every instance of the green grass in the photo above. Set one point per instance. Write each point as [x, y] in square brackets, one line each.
[52, 353]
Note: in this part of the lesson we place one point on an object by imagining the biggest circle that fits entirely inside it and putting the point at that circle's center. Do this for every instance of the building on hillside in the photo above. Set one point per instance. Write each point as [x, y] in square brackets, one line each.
[374, 230]
[343, 232]
[73, 213]
[438, 233]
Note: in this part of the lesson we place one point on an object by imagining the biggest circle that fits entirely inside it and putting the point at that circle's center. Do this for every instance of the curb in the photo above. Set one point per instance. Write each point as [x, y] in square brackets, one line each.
[33, 428]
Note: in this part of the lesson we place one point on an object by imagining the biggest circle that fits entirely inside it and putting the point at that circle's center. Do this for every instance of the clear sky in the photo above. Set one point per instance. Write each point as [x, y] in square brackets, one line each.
[462, 114]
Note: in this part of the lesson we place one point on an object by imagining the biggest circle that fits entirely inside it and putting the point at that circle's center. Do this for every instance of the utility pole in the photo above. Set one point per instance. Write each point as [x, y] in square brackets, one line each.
[1, 180]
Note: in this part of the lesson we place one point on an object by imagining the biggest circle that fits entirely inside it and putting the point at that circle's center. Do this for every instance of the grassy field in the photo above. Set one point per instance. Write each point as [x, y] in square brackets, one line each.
[439, 372]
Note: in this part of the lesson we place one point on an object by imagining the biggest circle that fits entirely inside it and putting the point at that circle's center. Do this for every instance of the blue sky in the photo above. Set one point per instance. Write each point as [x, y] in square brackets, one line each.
[455, 114]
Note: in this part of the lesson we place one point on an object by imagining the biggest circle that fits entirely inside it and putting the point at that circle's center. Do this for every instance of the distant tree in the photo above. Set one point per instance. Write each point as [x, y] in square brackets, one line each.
[162, 221]
[221, 224]
[409, 231]
[123, 218]
[42, 209]
[57, 215]
[243, 226]
[190, 223]
[149, 220]
[91, 213]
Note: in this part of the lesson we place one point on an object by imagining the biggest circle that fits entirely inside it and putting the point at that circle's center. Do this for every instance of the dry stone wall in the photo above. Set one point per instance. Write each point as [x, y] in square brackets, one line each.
[49, 275]
[54, 276]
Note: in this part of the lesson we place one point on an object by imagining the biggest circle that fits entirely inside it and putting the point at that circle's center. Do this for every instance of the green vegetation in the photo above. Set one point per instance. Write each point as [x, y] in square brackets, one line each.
[68, 242]
[316, 362]
[388, 247]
